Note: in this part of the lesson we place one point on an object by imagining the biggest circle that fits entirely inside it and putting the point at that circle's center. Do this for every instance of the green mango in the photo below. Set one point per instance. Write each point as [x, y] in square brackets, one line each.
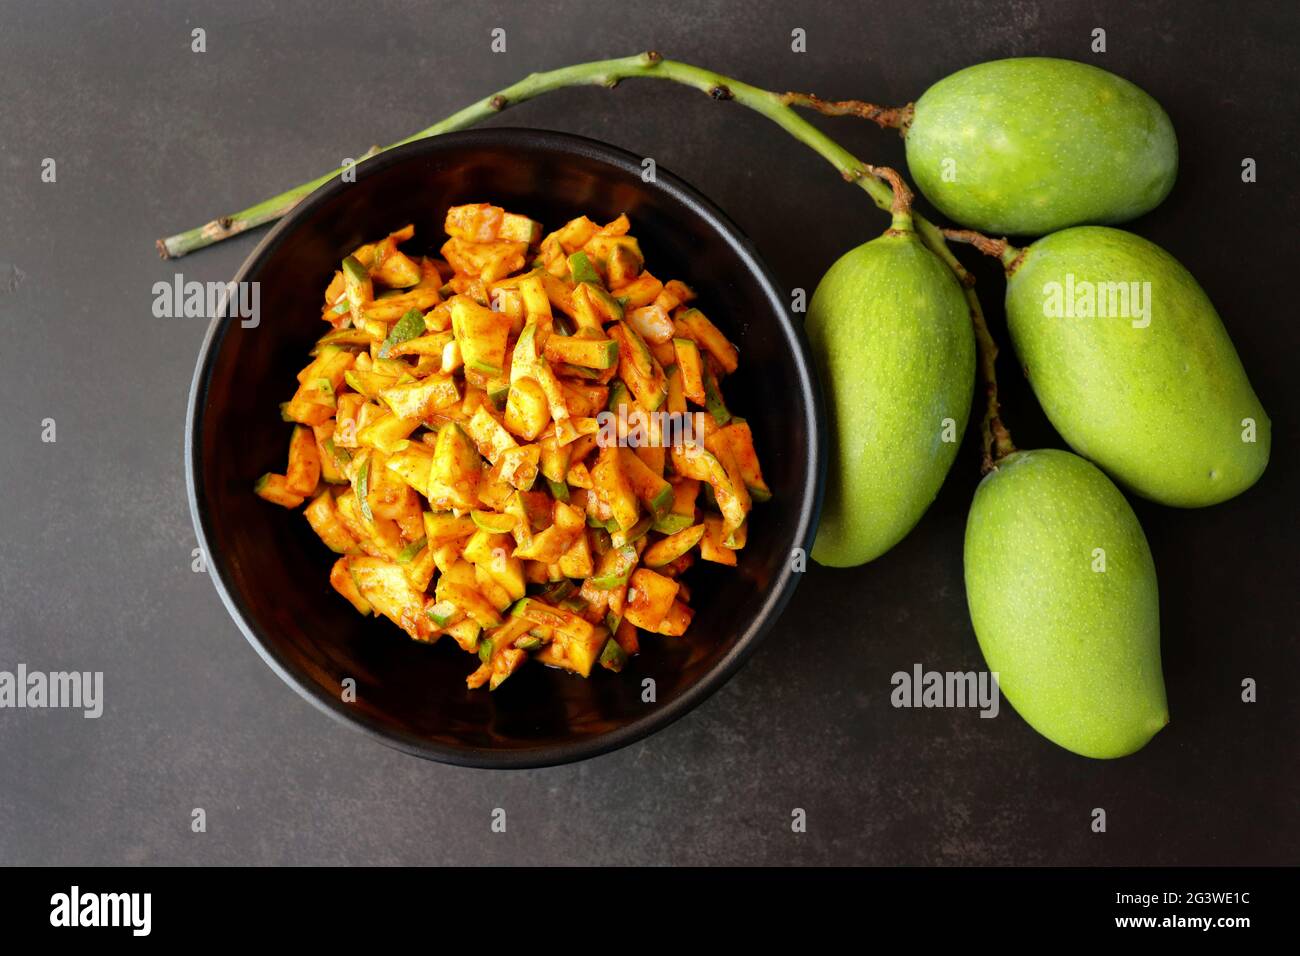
[891, 334]
[1156, 394]
[1028, 146]
[1062, 594]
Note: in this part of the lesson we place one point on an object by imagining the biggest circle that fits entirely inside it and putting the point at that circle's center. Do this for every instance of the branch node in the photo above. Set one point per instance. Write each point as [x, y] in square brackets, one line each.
[498, 102]
[720, 92]
[1011, 262]
[653, 56]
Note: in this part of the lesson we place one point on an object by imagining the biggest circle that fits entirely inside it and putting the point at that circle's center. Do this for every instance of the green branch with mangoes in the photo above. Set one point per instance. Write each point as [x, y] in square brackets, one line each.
[1123, 349]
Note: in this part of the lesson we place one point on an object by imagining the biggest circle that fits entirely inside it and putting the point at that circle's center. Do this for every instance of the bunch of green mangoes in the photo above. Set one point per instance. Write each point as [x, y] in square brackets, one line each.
[1122, 348]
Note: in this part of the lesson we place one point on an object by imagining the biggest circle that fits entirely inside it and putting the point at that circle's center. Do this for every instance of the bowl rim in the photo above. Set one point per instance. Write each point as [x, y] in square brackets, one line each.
[773, 602]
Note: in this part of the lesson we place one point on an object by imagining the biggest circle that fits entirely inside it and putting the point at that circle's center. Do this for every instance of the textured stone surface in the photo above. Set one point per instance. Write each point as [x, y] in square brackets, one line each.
[95, 564]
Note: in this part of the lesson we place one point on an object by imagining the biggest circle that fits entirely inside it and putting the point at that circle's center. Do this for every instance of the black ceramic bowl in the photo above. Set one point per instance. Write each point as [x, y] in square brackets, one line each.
[272, 571]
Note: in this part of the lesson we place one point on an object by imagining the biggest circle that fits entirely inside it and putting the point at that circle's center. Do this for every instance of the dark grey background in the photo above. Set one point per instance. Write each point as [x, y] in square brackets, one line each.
[95, 568]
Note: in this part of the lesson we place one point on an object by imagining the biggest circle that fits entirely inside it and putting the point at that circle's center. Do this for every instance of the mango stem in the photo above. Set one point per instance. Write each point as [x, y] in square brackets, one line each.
[999, 249]
[990, 247]
[886, 117]
[605, 73]
[901, 205]
[996, 441]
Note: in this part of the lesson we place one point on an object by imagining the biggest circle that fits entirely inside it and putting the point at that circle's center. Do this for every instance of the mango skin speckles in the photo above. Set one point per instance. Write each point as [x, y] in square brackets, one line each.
[1023, 147]
[1062, 593]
